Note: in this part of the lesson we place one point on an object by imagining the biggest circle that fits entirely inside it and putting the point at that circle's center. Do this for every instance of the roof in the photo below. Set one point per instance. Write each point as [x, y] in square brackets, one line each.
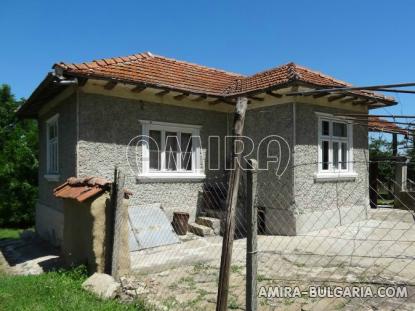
[156, 71]
[376, 124]
[81, 189]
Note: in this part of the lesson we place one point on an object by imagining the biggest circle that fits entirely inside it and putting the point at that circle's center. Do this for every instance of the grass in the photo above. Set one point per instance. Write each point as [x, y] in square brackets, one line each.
[6, 233]
[60, 290]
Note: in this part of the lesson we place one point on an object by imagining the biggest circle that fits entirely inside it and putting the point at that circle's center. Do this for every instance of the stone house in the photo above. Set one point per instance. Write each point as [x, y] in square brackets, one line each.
[90, 115]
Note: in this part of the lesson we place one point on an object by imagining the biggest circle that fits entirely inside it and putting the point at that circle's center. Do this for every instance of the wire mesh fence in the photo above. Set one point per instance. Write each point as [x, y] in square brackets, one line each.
[320, 246]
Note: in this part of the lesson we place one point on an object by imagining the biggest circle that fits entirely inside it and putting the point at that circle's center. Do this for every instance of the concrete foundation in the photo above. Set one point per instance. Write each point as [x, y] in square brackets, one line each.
[49, 223]
[286, 222]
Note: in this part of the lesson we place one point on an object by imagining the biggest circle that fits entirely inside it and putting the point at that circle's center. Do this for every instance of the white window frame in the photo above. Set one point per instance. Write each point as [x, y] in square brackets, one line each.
[197, 172]
[333, 173]
[52, 175]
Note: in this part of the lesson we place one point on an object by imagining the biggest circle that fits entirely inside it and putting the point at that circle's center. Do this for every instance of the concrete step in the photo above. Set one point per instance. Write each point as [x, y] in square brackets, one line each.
[214, 213]
[210, 222]
[200, 230]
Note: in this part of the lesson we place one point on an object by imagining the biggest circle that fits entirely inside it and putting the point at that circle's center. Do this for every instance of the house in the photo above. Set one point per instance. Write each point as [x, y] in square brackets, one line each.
[91, 113]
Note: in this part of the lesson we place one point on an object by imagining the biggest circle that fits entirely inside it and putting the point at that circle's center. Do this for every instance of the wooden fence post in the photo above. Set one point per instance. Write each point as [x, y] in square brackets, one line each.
[373, 183]
[251, 241]
[115, 223]
[231, 200]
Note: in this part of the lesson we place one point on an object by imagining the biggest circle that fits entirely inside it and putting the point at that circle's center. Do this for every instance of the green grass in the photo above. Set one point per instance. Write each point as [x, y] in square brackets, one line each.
[59, 290]
[6, 233]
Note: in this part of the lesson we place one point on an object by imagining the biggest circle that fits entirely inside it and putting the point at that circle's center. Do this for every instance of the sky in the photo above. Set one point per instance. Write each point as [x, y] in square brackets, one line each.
[361, 42]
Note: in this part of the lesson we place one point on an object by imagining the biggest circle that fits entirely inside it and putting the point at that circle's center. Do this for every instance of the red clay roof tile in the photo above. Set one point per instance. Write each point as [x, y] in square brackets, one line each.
[188, 77]
[81, 189]
[377, 124]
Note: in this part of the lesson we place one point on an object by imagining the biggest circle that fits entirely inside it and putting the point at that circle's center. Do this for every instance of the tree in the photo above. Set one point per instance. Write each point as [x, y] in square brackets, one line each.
[381, 148]
[18, 163]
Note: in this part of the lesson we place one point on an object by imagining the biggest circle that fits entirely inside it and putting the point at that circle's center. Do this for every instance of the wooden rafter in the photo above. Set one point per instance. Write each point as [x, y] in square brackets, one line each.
[256, 98]
[139, 89]
[200, 98]
[162, 93]
[336, 97]
[362, 102]
[82, 81]
[320, 95]
[110, 85]
[181, 96]
[271, 93]
[348, 100]
[221, 100]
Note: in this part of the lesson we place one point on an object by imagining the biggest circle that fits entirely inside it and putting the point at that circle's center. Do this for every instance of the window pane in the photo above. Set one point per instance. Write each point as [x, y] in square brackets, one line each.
[52, 129]
[154, 149]
[186, 148]
[335, 155]
[339, 129]
[325, 146]
[171, 151]
[325, 128]
[344, 156]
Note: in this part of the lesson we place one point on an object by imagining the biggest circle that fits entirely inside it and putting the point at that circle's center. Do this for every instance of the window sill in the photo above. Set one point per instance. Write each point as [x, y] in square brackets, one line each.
[328, 177]
[52, 177]
[170, 177]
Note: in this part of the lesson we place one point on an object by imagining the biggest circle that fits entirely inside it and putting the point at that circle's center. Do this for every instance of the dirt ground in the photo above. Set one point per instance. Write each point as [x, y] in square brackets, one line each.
[374, 253]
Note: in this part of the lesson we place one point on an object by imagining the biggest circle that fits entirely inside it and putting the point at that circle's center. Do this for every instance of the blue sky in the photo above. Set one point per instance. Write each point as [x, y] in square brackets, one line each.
[363, 42]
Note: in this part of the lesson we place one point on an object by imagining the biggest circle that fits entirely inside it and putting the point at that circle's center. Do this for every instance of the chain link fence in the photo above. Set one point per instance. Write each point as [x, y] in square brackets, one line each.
[320, 246]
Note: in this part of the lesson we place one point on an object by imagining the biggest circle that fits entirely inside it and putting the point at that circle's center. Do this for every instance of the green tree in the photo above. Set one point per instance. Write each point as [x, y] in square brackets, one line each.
[382, 148]
[18, 163]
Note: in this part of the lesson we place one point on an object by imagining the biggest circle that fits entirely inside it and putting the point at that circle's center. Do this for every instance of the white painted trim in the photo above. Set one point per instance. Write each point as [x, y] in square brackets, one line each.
[197, 169]
[54, 118]
[170, 125]
[52, 177]
[340, 176]
[170, 177]
[330, 138]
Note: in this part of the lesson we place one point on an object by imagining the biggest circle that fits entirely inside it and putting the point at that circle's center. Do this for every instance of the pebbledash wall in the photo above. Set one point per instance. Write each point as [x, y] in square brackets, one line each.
[96, 141]
[297, 202]
[320, 204]
[108, 124]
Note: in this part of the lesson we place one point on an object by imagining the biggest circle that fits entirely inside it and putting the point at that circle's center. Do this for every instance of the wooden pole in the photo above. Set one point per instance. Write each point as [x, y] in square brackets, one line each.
[394, 144]
[373, 184]
[109, 223]
[251, 241]
[118, 223]
[231, 200]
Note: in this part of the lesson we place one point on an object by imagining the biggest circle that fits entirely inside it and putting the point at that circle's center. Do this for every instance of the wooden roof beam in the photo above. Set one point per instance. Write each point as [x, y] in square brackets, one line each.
[348, 100]
[271, 93]
[162, 93]
[256, 98]
[110, 85]
[181, 96]
[221, 100]
[138, 89]
[336, 97]
[362, 102]
[200, 98]
[82, 81]
[320, 95]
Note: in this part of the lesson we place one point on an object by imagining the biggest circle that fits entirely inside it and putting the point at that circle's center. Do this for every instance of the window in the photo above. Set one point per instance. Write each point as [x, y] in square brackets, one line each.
[335, 156]
[171, 151]
[52, 146]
